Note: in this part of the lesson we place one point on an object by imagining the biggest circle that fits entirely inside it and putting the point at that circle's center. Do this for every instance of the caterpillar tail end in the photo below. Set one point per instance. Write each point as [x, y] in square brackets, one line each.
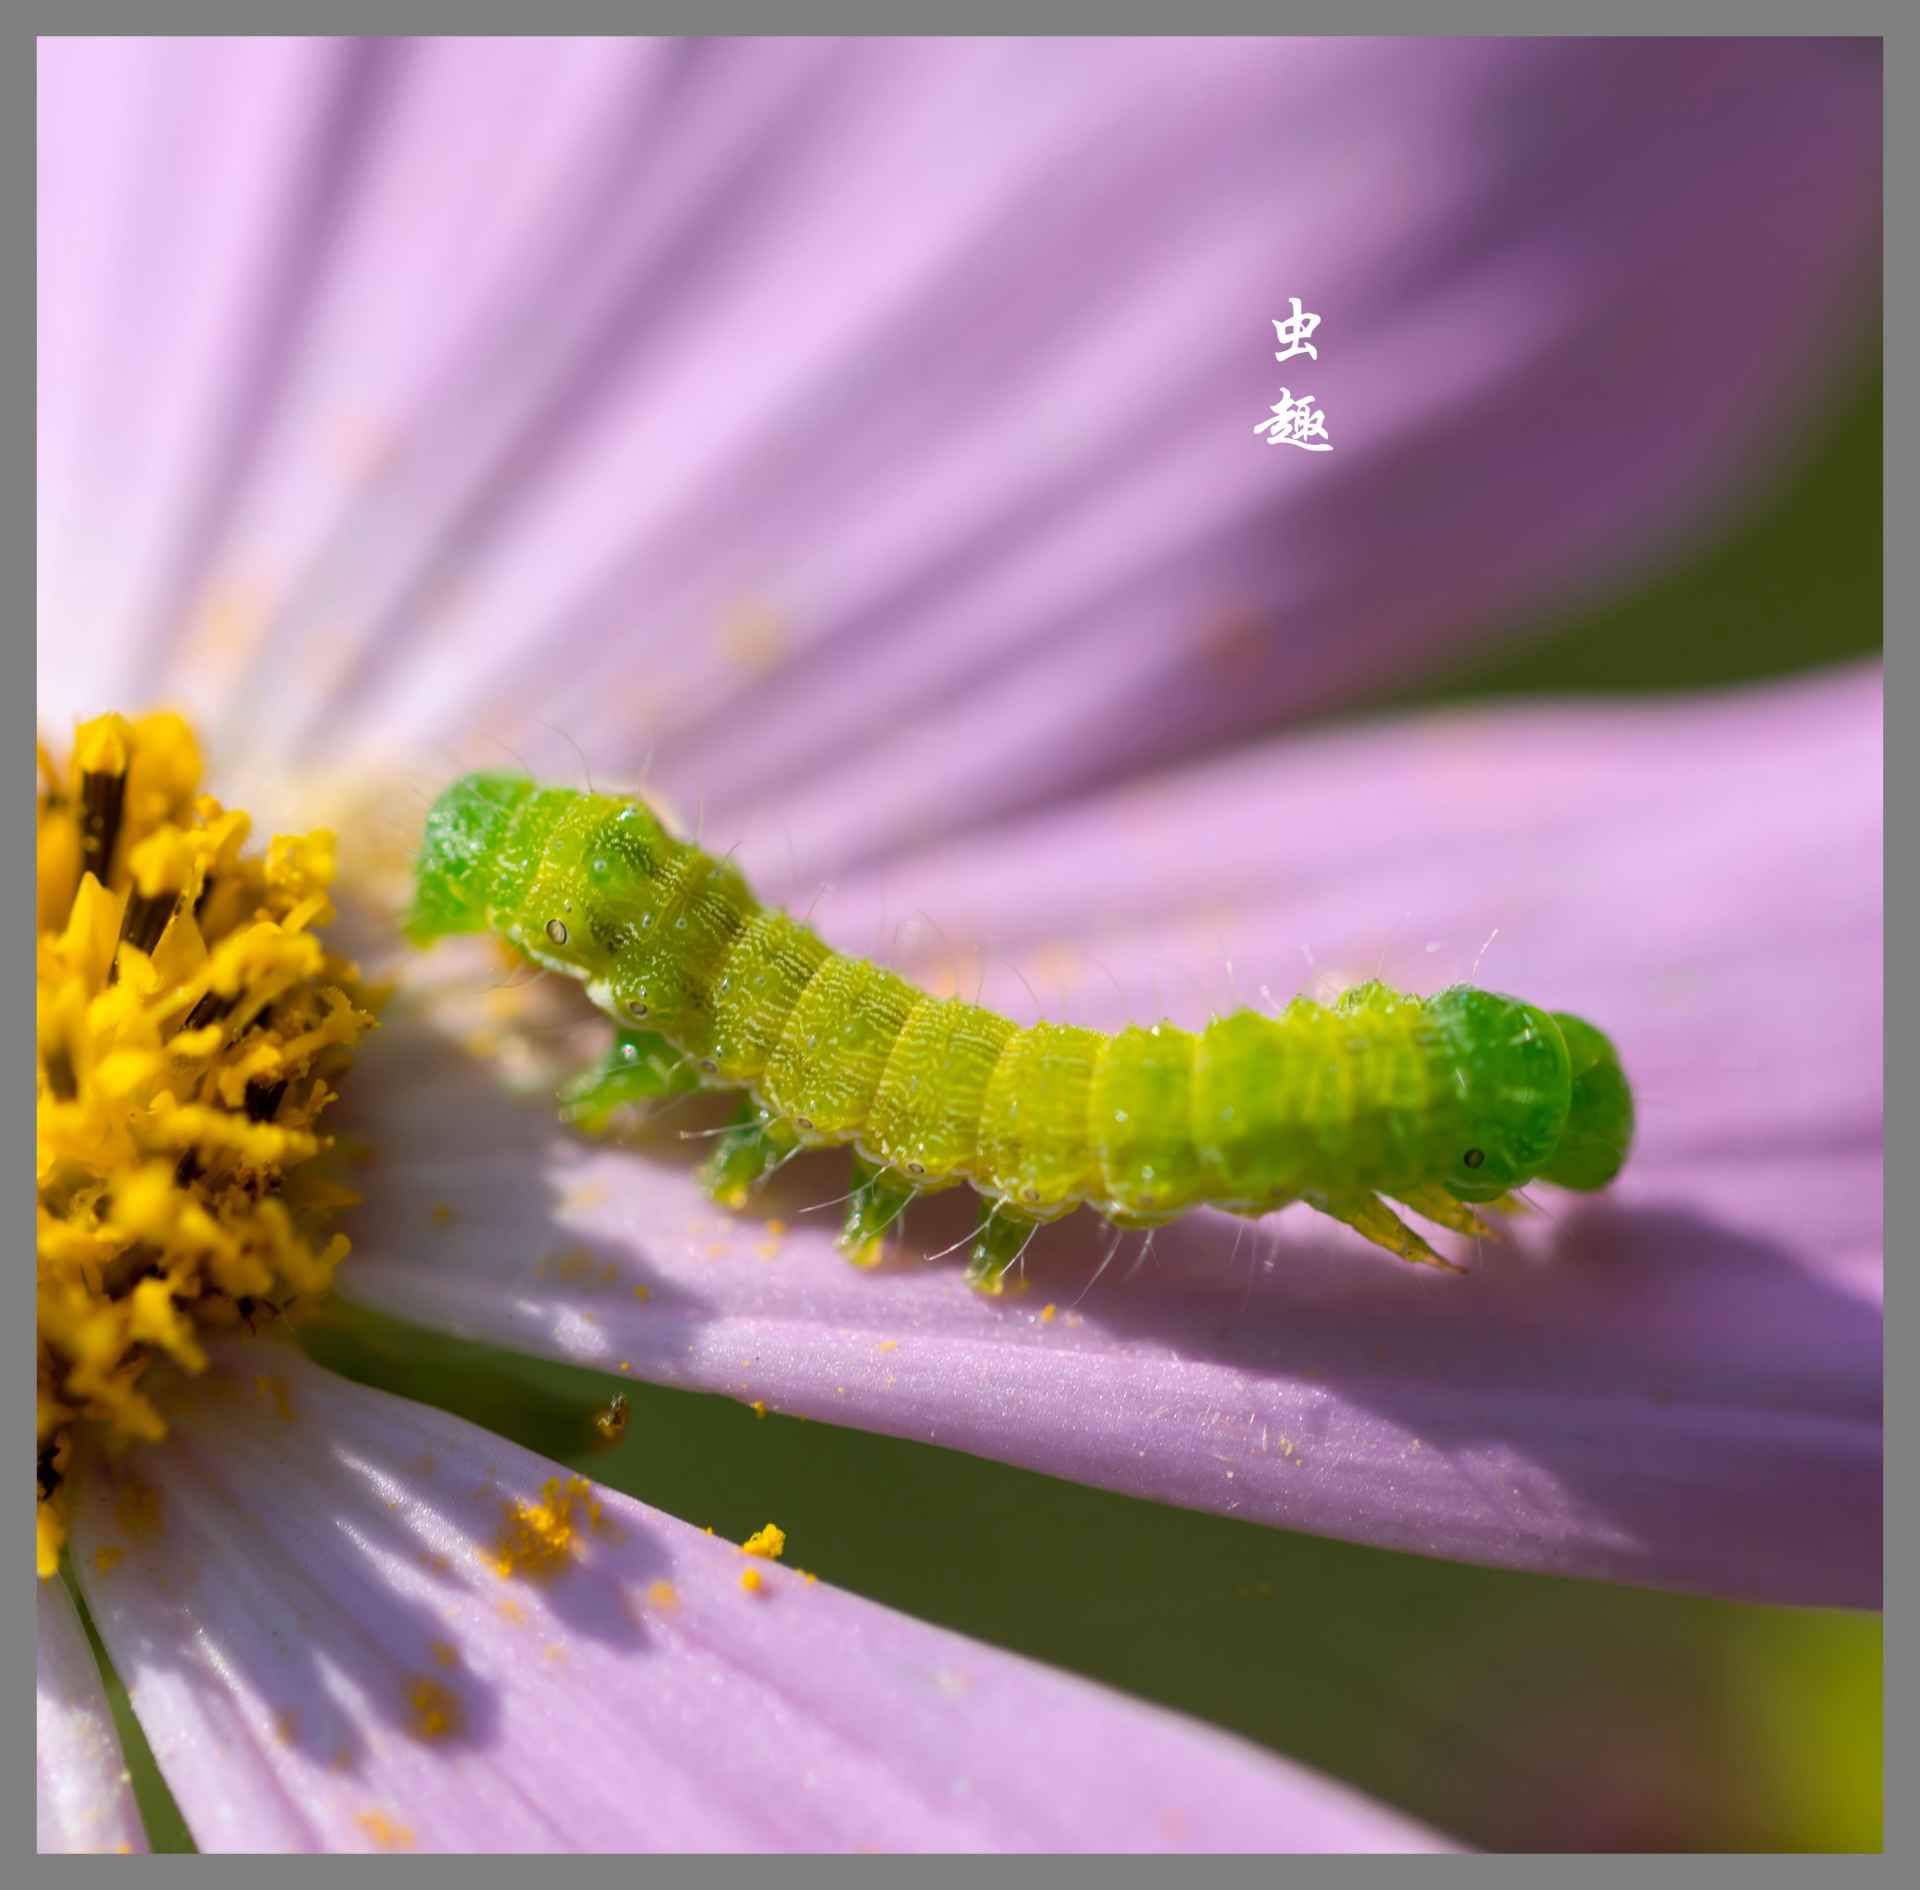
[1370, 1217]
[879, 1199]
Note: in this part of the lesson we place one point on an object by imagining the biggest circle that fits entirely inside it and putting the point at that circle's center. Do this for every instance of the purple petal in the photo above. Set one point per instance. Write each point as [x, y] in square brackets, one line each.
[307, 1609]
[1676, 1384]
[85, 1802]
[740, 368]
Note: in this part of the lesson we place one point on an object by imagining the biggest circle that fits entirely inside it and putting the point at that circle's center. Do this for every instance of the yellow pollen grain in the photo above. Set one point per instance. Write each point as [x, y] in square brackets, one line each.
[137, 1509]
[385, 1832]
[286, 1725]
[750, 1580]
[190, 1030]
[445, 1654]
[510, 1611]
[754, 637]
[572, 1265]
[664, 1596]
[770, 1542]
[433, 1712]
[758, 1407]
[640, 1292]
[888, 1345]
[107, 1559]
[1047, 1313]
[539, 1539]
[442, 1214]
[272, 1389]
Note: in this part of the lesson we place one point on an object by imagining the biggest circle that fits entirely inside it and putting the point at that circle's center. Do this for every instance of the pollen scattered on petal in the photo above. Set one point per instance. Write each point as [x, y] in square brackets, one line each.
[750, 1580]
[136, 1508]
[539, 1539]
[664, 1596]
[190, 1030]
[385, 1832]
[433, 1710]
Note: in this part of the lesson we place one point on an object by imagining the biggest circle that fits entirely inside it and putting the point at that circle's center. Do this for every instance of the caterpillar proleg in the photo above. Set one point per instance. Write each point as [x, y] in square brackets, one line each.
[1439, 1104]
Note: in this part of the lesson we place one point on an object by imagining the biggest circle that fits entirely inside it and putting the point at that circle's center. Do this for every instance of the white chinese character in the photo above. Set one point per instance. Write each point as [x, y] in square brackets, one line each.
[1294, 332]
[1296, 423]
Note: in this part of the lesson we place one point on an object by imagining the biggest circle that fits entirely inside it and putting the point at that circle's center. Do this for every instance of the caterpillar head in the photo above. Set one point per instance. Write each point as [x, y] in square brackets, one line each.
[1542, 1095]
[1599, 1130]
[454, 873]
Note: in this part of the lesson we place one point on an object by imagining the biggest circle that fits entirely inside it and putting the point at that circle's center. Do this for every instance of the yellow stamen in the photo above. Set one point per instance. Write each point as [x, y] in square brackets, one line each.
[190, 1029]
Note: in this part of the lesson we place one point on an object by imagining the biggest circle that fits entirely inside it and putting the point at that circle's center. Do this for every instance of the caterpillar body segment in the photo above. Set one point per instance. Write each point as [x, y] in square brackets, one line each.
[1438, 1104]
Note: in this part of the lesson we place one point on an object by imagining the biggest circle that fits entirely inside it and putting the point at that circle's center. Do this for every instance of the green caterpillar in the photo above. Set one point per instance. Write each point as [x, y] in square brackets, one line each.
[1436, 1103]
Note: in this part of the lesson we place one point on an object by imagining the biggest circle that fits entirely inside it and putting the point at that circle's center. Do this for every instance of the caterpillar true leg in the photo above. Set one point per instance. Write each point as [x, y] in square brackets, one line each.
[639, 1067]
[1367, 1214]
[1434, 1203]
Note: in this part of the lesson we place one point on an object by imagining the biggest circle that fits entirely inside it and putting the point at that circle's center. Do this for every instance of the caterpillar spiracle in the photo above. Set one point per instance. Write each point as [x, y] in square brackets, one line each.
[1438, 1104]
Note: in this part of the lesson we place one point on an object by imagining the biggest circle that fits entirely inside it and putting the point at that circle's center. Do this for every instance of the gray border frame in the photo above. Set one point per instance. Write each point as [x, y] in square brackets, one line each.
[17, 172]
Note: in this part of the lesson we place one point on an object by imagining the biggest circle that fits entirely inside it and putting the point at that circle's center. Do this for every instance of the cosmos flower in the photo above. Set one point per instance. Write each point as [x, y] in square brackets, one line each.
[722, 421]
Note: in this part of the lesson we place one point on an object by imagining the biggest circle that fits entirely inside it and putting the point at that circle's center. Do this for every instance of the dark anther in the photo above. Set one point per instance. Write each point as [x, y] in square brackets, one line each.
[1474, 1157]
[59, 1068]
[125, 1271]
[208, 1009]
[206, 893]
[142, 923]
[264, 1098]
[249, 1305]
[44, 1468]
[101, 798]
[187, 1170]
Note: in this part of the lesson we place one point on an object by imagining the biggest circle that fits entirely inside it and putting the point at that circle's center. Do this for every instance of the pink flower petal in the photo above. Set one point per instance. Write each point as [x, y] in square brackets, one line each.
[313, 1629]
[741, 368]
[84, 1800]
[1675, 1384]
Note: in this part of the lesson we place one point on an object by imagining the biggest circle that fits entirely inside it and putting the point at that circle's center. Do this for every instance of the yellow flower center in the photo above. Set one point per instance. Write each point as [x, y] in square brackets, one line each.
[190, 1027]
